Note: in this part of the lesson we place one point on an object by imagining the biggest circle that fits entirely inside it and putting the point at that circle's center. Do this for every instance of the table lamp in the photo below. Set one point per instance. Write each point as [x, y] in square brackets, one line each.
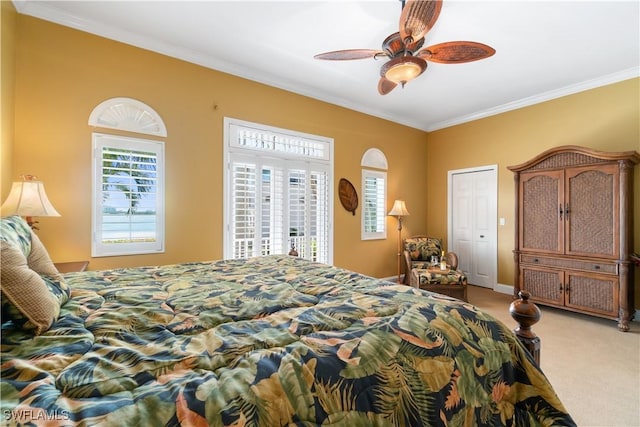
[28, 198]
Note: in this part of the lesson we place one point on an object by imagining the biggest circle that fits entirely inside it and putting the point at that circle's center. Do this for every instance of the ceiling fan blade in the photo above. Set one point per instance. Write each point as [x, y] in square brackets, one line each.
[418, 17]
[344, 55]
[456, 52]
[385, 86]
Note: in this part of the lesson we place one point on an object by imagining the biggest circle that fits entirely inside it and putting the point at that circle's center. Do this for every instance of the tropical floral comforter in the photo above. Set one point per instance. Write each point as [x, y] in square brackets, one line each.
[268, 341]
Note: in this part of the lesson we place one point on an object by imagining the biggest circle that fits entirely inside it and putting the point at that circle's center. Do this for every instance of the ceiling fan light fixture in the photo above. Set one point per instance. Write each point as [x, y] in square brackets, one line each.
[408, 57]
[403, 69]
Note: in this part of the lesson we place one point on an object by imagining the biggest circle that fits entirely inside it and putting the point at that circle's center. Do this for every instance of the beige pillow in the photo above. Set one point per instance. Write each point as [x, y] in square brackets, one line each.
[24, 287]
[39, 261]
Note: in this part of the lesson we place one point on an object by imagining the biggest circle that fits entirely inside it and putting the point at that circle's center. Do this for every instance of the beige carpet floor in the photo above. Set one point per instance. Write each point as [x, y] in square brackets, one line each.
[594, 368]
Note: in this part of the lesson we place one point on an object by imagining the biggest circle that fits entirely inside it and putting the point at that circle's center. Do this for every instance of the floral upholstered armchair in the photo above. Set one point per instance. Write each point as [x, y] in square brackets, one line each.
[418, 254]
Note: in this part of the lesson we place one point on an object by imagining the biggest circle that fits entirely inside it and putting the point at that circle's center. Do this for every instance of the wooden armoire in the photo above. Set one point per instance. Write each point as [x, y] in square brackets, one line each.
[574, 231]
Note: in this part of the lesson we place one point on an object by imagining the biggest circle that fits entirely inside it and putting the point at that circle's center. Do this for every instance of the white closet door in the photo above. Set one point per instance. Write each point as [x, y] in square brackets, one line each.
[473, 223]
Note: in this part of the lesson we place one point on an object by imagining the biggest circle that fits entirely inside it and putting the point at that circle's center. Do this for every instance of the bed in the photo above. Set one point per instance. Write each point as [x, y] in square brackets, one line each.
[266, 341]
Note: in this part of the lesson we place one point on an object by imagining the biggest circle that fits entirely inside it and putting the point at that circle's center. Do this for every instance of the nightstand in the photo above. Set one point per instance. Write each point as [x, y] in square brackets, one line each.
[70, 267]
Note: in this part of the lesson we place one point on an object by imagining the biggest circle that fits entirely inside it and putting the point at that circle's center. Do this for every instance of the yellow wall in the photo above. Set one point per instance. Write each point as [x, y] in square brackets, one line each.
[62, 74]
[7, 83]
[605, 119]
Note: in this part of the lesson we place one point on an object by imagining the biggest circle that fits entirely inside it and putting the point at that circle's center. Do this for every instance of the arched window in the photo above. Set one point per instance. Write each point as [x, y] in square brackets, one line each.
[128, 180]
[128, 114]
[374, 194]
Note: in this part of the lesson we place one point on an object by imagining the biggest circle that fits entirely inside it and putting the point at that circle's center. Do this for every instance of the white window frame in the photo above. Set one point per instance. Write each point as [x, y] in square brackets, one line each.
[379, 201]
[374, 165]
[308, 152]
[100, 249]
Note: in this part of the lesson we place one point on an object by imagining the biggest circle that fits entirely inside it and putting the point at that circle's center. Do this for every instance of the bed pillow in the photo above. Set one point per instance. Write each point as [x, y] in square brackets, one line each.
[32, 288]
[40, 262]
[28, 301]
[15, 230]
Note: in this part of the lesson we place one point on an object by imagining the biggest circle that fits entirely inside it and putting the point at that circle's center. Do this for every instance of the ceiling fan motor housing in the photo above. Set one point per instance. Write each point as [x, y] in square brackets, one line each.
[394, 45]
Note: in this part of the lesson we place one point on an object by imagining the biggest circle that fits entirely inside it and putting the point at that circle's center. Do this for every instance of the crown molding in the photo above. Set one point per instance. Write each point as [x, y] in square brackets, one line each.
[42, 10]
[542, 97]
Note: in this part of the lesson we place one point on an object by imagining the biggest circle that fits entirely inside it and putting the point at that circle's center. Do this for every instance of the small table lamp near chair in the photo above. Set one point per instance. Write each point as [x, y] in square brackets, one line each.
[27, 198]
[399, 210]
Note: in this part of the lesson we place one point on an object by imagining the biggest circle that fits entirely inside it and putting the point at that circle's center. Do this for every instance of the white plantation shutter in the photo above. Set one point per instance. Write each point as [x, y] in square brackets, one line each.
[319, 211]
[272, 205]
[244, 206]
[374, 192]
[278, 192]
[128, 196]
[298, 221]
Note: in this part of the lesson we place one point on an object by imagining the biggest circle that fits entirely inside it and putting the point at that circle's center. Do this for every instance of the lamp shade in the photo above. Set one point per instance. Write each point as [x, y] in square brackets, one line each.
[399, 209]
[28, 198]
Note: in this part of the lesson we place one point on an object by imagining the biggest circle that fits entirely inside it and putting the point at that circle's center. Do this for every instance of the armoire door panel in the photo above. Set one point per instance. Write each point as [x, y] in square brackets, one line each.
[593, 208]
[540, 215]
[593, 293]
[545, 286]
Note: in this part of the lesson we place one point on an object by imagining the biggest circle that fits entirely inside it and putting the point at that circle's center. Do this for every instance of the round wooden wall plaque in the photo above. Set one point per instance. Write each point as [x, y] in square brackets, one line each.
[348, 195]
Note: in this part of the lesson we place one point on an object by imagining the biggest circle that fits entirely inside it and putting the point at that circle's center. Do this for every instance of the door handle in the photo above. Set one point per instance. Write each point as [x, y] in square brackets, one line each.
[482, 236]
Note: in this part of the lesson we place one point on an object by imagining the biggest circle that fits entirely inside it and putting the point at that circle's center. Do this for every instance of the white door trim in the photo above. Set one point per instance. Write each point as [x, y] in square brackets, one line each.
[493, 268]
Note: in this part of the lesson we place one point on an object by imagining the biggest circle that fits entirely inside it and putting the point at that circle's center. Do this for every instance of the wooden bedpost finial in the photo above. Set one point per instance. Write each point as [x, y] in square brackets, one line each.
[526, 314]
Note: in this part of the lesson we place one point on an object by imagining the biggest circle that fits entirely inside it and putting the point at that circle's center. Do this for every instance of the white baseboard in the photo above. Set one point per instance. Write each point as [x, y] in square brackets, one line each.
[503, 289]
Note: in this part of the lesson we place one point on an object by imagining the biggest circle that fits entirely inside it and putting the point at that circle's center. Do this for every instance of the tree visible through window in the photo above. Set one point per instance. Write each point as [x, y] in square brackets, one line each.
[128, 196]
[278, 192]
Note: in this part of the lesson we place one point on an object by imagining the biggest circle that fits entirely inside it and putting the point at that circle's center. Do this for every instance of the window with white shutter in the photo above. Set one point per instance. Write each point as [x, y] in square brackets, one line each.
[128, 196]
[374, 195]
[374, 216]
[278, 192]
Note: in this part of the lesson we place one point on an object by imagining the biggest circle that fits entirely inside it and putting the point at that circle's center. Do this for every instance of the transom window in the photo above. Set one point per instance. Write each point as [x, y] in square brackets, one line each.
[278, 192]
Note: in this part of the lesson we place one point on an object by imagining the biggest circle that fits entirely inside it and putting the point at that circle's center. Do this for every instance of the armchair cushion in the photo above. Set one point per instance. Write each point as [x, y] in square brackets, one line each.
[423, 265]
[423, 248]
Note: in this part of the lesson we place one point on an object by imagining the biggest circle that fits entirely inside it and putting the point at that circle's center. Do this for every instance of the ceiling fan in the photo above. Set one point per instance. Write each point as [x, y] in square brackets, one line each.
[408, 58]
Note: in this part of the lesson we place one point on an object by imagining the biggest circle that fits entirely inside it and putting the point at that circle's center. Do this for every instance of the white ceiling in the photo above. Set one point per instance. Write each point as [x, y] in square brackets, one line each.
[544, 50]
